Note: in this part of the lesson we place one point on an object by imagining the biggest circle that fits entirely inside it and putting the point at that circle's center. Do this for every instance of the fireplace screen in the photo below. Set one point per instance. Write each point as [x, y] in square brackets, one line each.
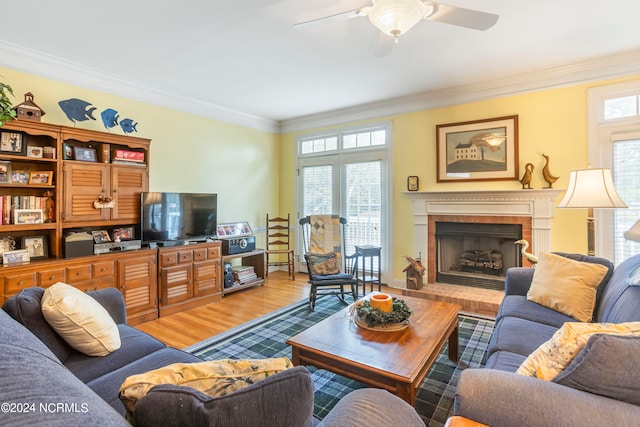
[473, 254]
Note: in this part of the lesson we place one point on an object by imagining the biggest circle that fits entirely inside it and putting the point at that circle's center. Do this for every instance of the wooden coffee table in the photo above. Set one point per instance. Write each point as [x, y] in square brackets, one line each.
[396, 361]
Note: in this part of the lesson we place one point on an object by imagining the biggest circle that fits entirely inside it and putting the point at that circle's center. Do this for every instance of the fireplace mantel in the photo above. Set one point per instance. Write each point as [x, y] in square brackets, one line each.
[539, 205]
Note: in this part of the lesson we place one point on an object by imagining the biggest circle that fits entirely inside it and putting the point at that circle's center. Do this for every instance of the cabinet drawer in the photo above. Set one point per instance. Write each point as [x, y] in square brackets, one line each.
[103, 269]
[47, 278]
[199, 254]
[185, 256]
[95, 284]
[78, 273]
[15, 283]
[213, 252]
[168, 258]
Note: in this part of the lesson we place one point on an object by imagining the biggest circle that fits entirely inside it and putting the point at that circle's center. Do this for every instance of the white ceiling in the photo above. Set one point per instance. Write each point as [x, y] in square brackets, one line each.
[244, 56]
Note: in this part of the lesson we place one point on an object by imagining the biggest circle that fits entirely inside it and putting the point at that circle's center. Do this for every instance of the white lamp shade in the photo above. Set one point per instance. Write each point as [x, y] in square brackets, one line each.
[396, 17]
[591, 188]
[633, 233]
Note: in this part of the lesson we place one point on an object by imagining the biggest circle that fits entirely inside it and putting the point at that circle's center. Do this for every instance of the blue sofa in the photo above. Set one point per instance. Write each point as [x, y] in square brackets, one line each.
[497, 396]
[43, 381]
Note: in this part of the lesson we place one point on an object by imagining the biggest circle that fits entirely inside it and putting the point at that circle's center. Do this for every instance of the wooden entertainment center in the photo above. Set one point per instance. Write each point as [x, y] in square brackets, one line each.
[154, 282]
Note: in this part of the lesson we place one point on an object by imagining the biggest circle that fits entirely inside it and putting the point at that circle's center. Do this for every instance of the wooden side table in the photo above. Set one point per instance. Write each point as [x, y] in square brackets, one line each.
[366, 273]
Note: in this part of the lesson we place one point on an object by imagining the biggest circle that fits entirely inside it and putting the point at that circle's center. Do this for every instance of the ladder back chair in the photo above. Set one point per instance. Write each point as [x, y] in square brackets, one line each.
[330, 270]
[279, 245]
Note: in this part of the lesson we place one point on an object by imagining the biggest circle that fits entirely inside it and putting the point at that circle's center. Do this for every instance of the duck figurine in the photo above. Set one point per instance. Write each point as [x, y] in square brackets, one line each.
[548, 176]
[528, 174]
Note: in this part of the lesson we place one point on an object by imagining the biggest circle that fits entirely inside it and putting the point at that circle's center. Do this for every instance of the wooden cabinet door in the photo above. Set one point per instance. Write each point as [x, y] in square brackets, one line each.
[127, 182]
[206, 278]
[83, 183]
[175, 284]
[137, 282]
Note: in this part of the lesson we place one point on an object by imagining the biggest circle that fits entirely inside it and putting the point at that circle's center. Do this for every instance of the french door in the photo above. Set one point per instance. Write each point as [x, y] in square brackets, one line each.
[350, 185]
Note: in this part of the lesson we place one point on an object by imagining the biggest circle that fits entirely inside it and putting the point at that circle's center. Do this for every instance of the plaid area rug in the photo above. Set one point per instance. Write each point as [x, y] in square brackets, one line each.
[266, 336]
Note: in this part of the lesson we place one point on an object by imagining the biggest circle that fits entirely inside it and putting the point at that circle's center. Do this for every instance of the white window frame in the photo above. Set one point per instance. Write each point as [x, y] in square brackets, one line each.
[342, 157]
[601, 134]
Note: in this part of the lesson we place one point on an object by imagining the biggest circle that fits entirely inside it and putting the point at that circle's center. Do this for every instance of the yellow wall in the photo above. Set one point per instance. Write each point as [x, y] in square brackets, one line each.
[254, 172]
[189, 153]
[552, 121]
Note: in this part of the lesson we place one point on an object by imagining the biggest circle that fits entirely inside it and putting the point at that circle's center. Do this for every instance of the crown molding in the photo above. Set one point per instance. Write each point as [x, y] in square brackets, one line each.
[51, 67]
[623, 64]
[48, 66]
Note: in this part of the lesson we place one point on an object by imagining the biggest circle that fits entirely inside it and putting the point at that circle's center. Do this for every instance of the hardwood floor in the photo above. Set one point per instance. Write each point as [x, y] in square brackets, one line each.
[197, 324]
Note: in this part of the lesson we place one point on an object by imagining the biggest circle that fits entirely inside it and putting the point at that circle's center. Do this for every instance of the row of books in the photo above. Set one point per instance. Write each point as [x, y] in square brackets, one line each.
[9, 204]
[244, 274]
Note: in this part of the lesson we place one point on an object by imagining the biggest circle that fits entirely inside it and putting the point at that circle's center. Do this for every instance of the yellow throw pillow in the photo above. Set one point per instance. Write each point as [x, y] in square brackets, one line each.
[553, 356]
[80, 320]
[566, 285]
[215, 378]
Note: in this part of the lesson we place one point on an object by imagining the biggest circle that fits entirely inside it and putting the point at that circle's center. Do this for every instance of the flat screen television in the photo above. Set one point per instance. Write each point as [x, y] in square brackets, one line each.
[177, 217]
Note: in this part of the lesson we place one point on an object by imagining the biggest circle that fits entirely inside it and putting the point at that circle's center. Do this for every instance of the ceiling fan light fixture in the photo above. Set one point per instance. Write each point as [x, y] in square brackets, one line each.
[396, 17]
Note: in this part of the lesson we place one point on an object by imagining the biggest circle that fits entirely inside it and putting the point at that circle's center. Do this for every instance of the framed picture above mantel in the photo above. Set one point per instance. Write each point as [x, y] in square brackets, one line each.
[478, 150]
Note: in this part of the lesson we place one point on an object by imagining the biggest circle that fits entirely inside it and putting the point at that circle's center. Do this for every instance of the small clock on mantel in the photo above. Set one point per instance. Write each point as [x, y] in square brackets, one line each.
[412, 183]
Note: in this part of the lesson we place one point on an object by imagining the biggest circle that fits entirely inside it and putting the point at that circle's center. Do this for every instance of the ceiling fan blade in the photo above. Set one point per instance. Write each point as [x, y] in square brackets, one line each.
[461, 17]
[332, 18]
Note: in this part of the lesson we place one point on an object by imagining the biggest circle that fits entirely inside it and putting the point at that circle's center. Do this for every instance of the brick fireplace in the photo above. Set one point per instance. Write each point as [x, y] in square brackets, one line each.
[531, 210]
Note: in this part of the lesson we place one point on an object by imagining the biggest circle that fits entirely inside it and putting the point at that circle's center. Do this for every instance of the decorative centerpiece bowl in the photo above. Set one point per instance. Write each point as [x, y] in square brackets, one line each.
[380, 312]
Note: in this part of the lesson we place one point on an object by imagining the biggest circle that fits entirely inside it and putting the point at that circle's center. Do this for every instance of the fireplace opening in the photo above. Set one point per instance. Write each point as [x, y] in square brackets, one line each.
[476, 254]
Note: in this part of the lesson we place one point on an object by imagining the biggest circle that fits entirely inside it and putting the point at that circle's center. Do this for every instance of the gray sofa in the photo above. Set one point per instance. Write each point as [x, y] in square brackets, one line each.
[43, 381]
[497, 396]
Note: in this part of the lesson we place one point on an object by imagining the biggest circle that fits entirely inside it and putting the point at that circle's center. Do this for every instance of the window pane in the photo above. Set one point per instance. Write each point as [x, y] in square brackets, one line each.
[349, 141]
[378, 137]
[363, 204]
[626, 106]
[317, 187]
[306, 147]
[626, 169]
[364, 139]
[332, 143]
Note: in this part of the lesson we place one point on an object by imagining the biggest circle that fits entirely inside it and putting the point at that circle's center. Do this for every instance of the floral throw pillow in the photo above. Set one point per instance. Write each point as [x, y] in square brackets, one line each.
[215, 378]
[324, 264]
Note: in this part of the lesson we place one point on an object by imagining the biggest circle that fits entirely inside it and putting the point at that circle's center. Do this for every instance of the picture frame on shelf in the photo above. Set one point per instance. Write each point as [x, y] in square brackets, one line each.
[40, 177]
[123, 233]
[101, 236]
[5, 172]
[7, 244]
[413, 183]
[19, 256]
[478, 150]
[48, 152]
[19, 177]
[67, 152]
[35, 151]
[28, 216]
[83, 154]
[37, 246]
[12, 142]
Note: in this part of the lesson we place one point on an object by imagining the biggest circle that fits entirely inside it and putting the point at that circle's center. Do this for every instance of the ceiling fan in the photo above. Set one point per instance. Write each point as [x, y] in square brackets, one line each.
[396, 17]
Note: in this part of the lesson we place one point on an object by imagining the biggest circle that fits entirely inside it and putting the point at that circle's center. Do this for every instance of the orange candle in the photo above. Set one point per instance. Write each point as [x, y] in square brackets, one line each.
[382, 302]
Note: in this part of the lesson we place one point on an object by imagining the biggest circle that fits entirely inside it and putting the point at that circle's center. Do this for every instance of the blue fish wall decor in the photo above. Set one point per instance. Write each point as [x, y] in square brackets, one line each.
[77, 110]
[128, 126]
[109, 118]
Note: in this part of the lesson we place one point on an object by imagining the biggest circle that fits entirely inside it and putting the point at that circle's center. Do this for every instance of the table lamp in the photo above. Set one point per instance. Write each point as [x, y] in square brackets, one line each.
[591, 189]
[633, 233]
